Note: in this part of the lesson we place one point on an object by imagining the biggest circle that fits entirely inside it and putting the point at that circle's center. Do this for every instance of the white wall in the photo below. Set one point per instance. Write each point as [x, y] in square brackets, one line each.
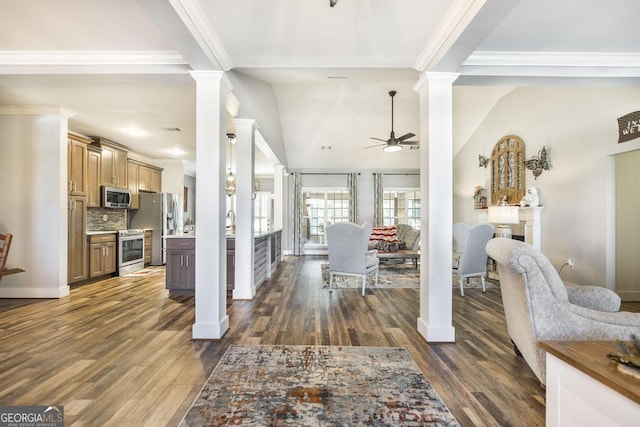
[172, 175]
[627, 177]
[33, 170]
[579, 128]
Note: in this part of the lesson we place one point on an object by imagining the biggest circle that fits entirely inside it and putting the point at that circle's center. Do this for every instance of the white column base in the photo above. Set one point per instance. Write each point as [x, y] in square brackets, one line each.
[210, 331]
[244, 293]
[436, 333]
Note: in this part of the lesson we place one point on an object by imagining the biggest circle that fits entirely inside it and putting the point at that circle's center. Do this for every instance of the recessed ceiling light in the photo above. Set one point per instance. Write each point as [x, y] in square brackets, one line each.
[172, 129]
[134, 131]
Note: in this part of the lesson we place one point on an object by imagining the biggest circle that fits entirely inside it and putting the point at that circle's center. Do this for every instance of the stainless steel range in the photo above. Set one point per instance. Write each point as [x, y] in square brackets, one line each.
[130, 251]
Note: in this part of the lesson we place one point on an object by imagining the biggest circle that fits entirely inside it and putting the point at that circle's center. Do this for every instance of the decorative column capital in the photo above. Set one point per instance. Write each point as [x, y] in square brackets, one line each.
[433, 76]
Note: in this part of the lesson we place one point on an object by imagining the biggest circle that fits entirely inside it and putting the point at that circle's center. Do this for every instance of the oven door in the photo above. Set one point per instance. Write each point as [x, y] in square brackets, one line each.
[131, 250]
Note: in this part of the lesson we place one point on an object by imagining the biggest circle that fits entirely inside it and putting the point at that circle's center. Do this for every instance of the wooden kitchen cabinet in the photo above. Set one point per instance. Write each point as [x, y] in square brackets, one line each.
[113, 163]
[181, 264]
[102, 254]
[132, 183]
[156, 180]
[149, 179]
[77, 165]
[94, 176]
[77, 242]
[142, 177]
[148, 237]
[231, 263]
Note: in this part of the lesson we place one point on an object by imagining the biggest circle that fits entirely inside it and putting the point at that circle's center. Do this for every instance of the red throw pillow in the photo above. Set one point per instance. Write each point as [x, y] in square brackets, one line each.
[387, 234]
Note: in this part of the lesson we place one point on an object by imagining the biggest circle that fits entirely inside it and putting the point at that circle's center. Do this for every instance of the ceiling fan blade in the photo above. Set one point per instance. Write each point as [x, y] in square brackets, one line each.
[412, 143]
[406, 136]
[377, 145]
[378, 139]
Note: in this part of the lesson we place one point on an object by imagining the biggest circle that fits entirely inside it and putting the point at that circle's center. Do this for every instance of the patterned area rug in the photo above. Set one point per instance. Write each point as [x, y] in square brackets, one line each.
[317, 385]
[395, 276]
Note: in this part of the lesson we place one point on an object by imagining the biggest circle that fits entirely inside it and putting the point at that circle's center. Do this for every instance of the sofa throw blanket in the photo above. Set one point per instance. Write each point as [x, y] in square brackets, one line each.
[385, 238]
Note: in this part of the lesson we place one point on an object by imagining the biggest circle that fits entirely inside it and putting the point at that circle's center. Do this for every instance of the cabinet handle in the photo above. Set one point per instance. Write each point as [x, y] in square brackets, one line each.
[181, 260]
[187, 261]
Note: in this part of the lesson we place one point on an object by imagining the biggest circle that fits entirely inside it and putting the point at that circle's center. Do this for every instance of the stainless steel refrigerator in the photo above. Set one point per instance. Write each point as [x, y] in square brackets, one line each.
[163, 213]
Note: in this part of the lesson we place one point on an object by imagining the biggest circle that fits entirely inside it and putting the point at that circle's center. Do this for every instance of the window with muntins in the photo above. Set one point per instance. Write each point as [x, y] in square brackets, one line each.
[401, 206]
[322, 207]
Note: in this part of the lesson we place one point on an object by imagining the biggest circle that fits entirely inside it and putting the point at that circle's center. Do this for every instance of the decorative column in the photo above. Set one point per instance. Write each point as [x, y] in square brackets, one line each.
[436, 189]
[244, 255]
[211, 320]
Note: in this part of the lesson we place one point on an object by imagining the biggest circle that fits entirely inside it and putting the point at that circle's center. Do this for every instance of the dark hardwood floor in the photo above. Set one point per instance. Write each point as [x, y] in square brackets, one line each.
[119, 351]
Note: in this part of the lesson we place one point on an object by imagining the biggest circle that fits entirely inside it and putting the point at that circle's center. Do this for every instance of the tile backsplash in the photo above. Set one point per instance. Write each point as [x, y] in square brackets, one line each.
[116, 219]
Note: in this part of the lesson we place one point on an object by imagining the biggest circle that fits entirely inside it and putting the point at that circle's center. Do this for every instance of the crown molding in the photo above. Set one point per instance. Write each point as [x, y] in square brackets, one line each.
[95, 62]
[453, 24]
[554, 59]
[91, 58]
[36, 111]
[198, 25]
[552, 64]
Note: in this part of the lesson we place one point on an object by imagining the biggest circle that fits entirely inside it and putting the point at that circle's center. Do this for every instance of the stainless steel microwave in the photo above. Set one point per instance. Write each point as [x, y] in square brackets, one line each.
[115, 197]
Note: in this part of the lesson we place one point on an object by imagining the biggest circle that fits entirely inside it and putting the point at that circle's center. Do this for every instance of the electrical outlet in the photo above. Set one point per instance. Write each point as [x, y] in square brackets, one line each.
[105, 218]
[570, 263]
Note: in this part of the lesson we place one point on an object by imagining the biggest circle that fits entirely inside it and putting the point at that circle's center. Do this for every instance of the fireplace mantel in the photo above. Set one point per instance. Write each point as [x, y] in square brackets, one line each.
[530, 218]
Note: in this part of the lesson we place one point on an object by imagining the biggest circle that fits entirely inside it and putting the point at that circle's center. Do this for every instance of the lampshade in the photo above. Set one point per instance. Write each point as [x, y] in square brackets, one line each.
[503, 215]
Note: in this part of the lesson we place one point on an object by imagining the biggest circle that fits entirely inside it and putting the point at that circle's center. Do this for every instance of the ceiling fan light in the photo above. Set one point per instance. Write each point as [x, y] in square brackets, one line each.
[392, 148]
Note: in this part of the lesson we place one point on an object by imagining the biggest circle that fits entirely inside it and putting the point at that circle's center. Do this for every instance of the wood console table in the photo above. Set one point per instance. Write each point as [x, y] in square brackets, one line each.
[585, 388]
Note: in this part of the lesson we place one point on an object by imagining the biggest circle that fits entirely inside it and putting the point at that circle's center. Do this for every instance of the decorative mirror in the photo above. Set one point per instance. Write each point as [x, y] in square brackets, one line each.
[507, 170]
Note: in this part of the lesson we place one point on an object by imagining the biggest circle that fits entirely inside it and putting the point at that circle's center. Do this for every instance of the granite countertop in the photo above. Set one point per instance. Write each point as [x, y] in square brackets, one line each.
[181, 236]
[93, 233]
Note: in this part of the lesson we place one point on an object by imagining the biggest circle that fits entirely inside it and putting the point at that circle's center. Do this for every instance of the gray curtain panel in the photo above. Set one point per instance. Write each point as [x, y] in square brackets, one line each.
[298, 238]
[352, 186]
[378, 192]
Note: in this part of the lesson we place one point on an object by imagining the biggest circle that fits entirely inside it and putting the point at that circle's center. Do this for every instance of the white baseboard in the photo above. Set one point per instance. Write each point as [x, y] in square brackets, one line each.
[23, 292]
[629, 295]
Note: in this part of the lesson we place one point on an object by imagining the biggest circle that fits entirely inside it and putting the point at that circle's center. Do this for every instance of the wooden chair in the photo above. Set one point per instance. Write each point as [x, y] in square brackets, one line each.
[5, 240]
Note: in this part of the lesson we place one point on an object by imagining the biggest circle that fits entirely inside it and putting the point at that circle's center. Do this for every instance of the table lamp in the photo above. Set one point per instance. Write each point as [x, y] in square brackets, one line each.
[503, 215]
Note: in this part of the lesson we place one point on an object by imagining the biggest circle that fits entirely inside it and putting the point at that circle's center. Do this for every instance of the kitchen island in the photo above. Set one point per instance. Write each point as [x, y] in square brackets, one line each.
[181, 257]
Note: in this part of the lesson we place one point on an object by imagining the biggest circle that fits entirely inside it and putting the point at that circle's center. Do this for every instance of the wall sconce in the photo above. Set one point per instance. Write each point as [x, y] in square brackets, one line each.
[482, 161]
[538, 164]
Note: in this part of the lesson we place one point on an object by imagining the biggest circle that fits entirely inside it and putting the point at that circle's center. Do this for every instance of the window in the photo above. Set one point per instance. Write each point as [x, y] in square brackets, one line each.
[401, 206]
[322, 207]
[262, 211]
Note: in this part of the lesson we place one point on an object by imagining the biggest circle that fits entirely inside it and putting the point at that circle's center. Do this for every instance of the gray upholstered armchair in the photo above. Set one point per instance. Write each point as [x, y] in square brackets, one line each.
[538, 306]
[470, 258]
[348, 255]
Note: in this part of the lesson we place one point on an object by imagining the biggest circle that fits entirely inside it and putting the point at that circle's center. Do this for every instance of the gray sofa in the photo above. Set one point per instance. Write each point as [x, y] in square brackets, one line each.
[538, 306]
[409, 235]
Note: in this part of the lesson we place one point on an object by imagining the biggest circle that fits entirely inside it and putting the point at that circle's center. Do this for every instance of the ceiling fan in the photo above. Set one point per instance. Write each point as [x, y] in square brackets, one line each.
[395, 144]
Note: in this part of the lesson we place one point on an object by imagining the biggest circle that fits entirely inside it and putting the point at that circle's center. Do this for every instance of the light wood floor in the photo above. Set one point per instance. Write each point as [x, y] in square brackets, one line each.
[119, 351]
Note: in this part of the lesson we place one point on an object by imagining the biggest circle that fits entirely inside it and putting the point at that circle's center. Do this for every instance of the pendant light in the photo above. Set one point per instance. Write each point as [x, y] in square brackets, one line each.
[230, 185]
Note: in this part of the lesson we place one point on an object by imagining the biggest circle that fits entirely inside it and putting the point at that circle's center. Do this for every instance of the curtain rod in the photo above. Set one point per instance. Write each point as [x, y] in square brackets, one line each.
[320, 173]
[408, 174]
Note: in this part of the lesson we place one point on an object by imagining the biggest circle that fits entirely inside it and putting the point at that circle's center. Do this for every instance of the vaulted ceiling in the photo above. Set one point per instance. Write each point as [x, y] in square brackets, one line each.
[122, 64]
